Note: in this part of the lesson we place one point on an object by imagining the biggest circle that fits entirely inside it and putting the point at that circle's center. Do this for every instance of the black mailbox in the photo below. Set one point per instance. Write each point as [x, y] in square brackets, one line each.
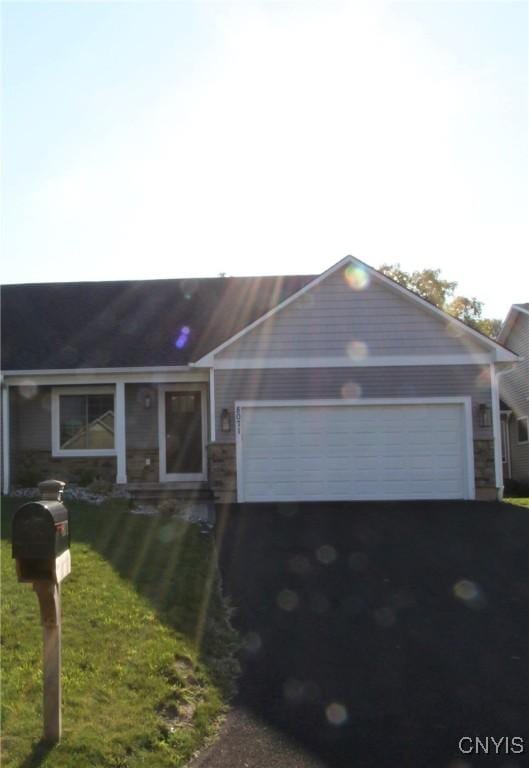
[41, 541]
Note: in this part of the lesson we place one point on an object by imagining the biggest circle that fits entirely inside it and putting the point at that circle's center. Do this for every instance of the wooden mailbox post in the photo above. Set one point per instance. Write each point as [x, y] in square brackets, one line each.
[41, 547]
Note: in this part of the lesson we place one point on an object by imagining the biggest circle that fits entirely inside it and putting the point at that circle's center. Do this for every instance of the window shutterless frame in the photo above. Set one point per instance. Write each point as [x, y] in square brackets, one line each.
[56, 394]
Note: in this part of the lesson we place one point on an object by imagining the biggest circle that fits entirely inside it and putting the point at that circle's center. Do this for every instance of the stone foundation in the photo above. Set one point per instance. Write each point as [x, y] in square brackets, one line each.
[222, 472]
[486, 494]
[138, 471]
[484, 474]
[31, 467]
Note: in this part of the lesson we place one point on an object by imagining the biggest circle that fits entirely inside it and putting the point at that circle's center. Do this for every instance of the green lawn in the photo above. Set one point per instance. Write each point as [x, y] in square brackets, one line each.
[147, 651]
[521, 502]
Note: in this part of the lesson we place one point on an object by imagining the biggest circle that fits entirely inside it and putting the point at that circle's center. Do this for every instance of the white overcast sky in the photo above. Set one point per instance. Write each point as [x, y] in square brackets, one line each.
[168, 139]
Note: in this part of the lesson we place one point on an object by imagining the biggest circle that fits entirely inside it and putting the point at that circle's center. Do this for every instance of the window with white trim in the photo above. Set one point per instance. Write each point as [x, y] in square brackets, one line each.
[523, 430]
[83, 421]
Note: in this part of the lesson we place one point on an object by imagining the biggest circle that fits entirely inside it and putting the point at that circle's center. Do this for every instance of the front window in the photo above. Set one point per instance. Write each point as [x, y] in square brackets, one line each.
[84, 421]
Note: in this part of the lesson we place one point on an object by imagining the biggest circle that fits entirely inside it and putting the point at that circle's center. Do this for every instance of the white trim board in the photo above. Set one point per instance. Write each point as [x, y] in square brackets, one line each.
[464, 401]
[65, 453]
[510, 320]
[164, 476]
[44, 379]
[102, 371]
[501, 354]
[347, 362]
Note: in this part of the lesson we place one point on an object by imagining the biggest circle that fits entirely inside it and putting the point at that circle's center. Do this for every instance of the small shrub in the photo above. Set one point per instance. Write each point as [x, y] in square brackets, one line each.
[86, 477]
[516, 488]
[28, 474]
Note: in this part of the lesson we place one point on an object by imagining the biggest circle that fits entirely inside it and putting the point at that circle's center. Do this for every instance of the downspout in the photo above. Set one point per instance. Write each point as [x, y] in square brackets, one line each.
[496, 425]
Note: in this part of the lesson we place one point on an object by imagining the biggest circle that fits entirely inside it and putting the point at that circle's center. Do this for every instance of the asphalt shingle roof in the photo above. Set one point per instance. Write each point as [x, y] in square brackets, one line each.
[131, 323]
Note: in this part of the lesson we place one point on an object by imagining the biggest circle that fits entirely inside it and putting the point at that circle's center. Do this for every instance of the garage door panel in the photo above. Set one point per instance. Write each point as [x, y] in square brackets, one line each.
[346, 452]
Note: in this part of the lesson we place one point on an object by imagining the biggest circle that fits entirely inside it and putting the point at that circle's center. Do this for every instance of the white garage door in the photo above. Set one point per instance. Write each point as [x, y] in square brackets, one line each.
[306, 452]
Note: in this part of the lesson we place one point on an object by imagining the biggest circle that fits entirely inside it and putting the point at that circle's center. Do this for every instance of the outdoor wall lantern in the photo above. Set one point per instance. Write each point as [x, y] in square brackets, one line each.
[485, 415]
[225, 420]
[147, 400]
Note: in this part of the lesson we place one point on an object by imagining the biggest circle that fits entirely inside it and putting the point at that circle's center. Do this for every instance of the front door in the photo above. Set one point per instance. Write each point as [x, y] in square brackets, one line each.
[182, 435]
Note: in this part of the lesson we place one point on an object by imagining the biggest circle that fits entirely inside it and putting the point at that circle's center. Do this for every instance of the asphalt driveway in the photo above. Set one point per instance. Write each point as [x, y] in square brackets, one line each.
[377, 634]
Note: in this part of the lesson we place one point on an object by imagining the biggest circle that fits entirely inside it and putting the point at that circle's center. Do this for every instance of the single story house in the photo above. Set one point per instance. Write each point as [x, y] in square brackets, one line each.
[338, 386]
[514, 394]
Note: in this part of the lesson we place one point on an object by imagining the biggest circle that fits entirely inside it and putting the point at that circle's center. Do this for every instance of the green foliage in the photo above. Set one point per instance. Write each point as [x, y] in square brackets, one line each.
[148, 651]
[429, 284]
[28, 476]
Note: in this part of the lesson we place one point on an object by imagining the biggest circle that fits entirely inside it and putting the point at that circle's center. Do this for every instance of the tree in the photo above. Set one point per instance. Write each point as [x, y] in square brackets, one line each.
[429, 284]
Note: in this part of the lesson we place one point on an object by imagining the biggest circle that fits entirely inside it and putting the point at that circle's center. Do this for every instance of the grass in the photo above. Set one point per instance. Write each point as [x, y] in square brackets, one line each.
[147, 650]
[520, 502]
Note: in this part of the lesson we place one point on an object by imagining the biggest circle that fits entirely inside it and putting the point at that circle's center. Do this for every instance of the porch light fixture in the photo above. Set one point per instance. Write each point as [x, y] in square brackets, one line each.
[147, 400]
[485, 415]
[225, 420]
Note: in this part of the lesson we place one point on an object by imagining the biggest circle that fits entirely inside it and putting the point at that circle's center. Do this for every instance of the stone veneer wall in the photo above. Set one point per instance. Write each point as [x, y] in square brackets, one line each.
[484, 474]
[137, 469]
[30, 467]
[222, 473]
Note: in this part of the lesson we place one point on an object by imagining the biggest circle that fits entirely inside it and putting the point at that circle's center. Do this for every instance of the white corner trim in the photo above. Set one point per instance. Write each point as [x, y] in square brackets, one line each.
[465, 401]
[212, 423]
[496, 429]
[119, 434]
[502, 354]
[6, 447]
[347, 362]
[56, 449]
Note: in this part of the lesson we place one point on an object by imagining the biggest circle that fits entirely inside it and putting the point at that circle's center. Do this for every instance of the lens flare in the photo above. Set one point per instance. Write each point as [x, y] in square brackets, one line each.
[336, 713]
[287, 600]
[183, 337]
[483, 379]
[466, 590]
[326, 554]
[28, 390]
[356, 277]
[351, 390]
[357, 351]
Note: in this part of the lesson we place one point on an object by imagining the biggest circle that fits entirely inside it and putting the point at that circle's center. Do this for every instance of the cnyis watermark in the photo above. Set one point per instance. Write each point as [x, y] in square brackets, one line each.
[491, 745]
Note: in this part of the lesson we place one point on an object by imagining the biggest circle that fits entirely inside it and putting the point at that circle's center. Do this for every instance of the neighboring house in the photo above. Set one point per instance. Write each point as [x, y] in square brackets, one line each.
[514, 393]
[340, 386]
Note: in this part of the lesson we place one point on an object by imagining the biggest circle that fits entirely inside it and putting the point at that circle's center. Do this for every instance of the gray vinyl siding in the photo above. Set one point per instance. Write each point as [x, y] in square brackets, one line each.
[514, 391]
[141, 422]
[338, 383]
[326, 320]
[30, 419]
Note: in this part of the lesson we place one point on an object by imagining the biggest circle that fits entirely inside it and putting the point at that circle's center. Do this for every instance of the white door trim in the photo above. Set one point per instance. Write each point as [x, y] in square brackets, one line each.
[465, 401]
[177, 387]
